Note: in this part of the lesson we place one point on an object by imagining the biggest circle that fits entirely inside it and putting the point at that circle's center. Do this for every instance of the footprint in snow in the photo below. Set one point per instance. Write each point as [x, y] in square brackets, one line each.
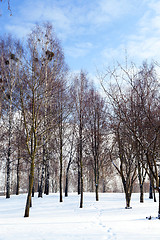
[111, 235]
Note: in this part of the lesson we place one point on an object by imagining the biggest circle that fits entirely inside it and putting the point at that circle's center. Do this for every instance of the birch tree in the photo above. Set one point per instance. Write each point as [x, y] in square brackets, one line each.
[44, 59]
[80, 90]
[95, 134]
[9, 69]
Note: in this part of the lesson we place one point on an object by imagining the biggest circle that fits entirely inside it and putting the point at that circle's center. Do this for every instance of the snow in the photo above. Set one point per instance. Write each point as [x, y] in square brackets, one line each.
[103, 220]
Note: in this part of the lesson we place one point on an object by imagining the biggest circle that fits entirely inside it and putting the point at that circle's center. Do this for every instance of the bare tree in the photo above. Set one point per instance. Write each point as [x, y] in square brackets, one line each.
[79, 98]
[95, 134]
[9, 69]
[134, 101]
[70, 150]
[44, 59]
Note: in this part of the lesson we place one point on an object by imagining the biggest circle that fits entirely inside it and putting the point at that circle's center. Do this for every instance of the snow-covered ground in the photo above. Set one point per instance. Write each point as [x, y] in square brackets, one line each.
[106, 219]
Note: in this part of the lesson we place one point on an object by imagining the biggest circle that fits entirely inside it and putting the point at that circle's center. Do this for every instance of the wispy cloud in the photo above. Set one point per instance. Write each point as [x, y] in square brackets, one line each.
[100, 31]
[144, 42]
[19, 30]
[79, 49]
[115, 8]
[69, 17]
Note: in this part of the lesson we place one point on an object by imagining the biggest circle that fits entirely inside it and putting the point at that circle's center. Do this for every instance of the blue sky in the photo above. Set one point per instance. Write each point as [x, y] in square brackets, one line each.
[93, 33]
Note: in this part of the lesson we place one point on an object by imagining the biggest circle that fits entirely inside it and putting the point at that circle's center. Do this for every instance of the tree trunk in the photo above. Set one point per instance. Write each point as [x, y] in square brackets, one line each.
[128, 192]
[60, 177]
[81, 200]
[31, 180]
[128, 200]
[96, 172]
[9, 147]
[8, 157]
[150, 190]
[141, 194]
[97, 196]
[154, 194]
[8, 175]
[61, 148]
[81, 162]
[33, 190]
[38, 179]
[67, 177]
[47, 181]
[40, 193]
[66, 187]
[67, 173]
[79, 180]
[18, 178]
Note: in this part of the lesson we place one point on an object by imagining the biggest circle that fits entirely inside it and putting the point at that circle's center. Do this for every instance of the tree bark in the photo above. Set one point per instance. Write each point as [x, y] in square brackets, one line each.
[31, 179]
[47, 181]
[33, 190]
[61, 158]
[141, 194]
[18, 177]
[67, 177]
[79, 177]
[81, 162]
[8, 175]
[81, 199]
[97, 196]
[96, 172]
[66, 187]
[128, 200]
[9, 150]
[67, 171]
[154, 195]
[150, 190]
[40, 192]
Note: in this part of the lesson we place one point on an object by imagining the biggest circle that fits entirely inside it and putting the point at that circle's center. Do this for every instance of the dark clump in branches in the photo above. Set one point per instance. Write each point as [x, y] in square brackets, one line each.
[13, 57]
[49, 55]
[7, 62]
